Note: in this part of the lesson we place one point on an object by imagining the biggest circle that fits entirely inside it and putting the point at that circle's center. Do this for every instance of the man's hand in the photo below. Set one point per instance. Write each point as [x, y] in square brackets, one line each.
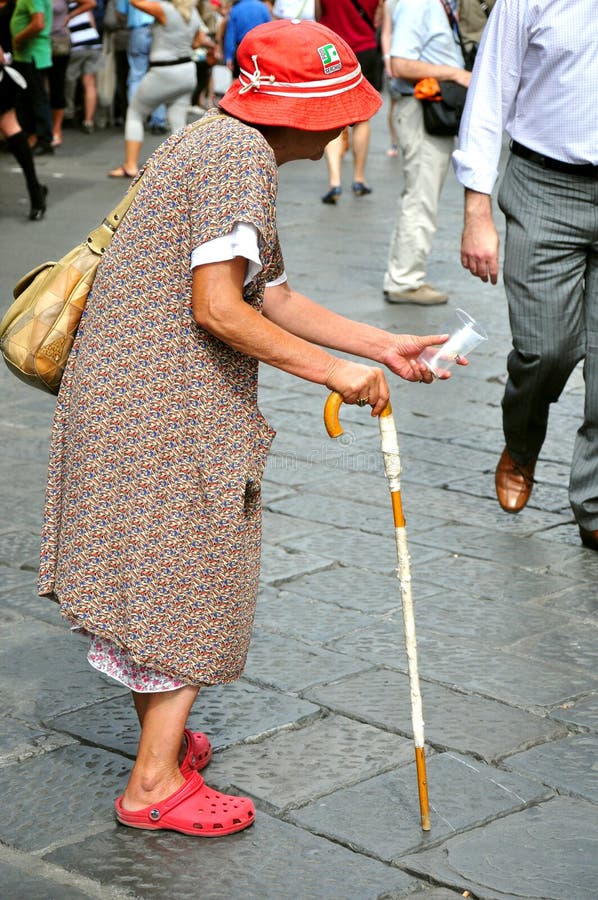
[479, 241]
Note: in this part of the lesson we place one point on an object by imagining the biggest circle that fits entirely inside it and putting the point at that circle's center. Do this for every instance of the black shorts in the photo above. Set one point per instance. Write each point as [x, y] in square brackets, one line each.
[372, 66]
[8, 93]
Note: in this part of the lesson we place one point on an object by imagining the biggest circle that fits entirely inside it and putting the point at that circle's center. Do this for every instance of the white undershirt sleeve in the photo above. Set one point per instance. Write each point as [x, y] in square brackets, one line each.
[241, 241]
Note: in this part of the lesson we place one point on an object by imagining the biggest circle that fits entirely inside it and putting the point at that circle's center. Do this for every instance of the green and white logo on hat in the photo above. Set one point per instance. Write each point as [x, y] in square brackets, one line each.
[330, 58]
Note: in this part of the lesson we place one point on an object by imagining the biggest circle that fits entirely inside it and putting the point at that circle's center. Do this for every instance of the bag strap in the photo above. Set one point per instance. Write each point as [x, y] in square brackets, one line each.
[101, 236]
[364, 15]
[454, 24]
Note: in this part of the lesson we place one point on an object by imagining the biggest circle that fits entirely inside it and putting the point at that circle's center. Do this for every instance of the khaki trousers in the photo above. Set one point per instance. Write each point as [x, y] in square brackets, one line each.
[425, 164]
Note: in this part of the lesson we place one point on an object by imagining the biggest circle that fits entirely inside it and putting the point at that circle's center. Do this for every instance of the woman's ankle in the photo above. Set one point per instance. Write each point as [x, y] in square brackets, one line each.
[143, 790]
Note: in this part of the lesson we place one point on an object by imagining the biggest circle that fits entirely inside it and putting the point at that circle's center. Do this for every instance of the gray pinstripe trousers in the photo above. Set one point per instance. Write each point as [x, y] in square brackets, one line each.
[551, 281]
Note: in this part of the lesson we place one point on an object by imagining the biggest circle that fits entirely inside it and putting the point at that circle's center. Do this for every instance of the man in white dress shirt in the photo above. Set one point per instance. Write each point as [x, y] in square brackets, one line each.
[424, 44]
[536, 76]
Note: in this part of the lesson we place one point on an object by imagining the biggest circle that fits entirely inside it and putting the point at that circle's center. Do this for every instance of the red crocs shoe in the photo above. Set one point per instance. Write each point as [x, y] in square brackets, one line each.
[198, 755]
[193, 809]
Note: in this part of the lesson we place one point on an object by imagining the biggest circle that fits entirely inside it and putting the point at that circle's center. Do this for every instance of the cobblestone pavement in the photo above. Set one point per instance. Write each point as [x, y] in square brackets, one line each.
[318, 729]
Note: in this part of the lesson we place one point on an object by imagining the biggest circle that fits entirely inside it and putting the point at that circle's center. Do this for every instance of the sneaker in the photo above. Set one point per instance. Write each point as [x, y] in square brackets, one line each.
[425, 295]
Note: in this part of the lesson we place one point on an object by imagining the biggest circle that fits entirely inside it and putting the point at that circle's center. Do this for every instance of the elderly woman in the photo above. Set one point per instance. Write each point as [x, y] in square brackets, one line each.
[151, 540]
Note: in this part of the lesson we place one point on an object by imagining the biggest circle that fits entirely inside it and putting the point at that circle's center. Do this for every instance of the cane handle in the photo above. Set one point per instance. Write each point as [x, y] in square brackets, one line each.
[331, 414]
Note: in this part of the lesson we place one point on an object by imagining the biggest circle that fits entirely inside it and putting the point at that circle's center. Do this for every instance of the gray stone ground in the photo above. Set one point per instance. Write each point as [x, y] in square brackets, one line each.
[318, 729]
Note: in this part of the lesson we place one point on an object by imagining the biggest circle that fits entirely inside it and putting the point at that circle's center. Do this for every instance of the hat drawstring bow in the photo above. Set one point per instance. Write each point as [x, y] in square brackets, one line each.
[255, 78]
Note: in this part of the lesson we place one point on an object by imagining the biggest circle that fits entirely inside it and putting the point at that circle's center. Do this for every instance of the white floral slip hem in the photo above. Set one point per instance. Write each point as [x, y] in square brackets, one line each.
[115, 662]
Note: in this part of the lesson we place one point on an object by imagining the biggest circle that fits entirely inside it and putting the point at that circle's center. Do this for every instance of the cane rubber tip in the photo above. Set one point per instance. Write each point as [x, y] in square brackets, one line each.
[426, 825]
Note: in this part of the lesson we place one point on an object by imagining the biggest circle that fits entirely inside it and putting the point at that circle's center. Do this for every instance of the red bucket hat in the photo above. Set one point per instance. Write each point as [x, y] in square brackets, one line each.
[299, 74]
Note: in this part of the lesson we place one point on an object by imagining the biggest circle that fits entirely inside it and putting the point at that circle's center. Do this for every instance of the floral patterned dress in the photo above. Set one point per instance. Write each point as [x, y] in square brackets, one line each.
[152, 527]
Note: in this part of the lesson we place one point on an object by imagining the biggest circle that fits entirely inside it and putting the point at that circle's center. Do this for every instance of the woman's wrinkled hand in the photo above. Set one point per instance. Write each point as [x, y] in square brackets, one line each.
[401, 358]
[359, 384]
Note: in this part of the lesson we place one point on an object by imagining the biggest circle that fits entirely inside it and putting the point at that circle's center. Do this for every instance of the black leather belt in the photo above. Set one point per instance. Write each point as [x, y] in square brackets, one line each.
[171, 62]
[557, 165]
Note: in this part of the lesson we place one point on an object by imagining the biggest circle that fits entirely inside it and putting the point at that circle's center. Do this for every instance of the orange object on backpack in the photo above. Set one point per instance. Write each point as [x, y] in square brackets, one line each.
[427, 89]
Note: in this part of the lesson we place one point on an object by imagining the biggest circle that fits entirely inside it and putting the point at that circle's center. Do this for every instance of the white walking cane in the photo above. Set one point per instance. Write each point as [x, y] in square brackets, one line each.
[392, 467]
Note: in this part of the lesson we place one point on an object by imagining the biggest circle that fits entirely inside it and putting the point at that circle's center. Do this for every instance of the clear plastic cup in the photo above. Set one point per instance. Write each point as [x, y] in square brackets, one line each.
[465, 335]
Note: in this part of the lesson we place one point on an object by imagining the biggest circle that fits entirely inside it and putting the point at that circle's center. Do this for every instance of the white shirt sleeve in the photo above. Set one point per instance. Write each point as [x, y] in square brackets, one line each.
[491, 96]
[241, 241]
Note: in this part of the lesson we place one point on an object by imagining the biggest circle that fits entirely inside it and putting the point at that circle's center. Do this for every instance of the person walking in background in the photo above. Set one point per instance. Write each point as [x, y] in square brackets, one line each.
[11, 82]
[393, 85]
[243, 16]
[140, 41]
[423, 45]
[60, 41]
[84, 62]
[473, 17]
[152, 527]
[537, 77]
[171, 77]
[30, 27]
[294, 9]
[356, 21]
[115, 38]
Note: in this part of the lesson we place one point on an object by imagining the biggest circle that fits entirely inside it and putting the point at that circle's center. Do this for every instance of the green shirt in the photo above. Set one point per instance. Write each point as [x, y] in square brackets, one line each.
[37, 49]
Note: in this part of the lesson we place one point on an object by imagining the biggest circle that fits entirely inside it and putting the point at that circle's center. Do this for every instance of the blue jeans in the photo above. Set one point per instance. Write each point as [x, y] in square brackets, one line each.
[140, 41]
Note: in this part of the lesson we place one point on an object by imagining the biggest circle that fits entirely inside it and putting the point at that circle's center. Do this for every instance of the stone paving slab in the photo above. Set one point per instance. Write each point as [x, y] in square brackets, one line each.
[470, 540]
[484, 511]
[307, 619]
[13, 578]
[568, 765]
[229, 714]
[24, 601]
[75, 787]
[381, 697]
[277, 528]
[348, 546]
[294, 766]
[19, 885]
[583, 714]
[470, 664]
[544, 496]
[19, 741]
[381, 816]
[583, 566]
[501, 623]
[290, 665]
[487, 578]
[505, 676]
[375, 518]
[19, 548]
[54, 675]
[576, 645]
[272, 860]
[280, 563]
[353, 588]
[581, 599]
[547, 852]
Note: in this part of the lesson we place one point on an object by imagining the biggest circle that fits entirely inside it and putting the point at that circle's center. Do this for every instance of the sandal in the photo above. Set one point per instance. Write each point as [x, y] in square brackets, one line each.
[198, 755]
[121, 172]
[193, 809]
[360, 189]
[332, 196]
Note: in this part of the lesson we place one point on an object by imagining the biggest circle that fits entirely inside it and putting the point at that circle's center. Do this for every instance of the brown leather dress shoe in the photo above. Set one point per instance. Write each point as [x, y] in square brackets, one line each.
[589, 538]
[513, 482]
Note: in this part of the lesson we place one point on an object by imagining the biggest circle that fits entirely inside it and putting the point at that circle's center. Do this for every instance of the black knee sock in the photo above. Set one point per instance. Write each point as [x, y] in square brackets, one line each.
[20, 149]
